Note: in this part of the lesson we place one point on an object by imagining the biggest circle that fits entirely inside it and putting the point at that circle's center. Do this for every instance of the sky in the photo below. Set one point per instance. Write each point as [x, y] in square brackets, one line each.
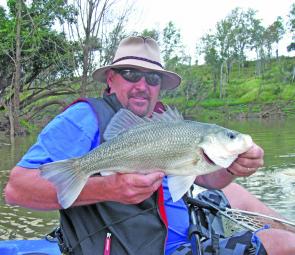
[195, 18]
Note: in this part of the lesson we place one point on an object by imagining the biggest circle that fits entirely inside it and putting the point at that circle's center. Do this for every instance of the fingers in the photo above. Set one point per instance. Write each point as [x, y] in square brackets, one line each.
[241, 171]
[248, 163]
[147, 180]
[255, 152]
[134, 188]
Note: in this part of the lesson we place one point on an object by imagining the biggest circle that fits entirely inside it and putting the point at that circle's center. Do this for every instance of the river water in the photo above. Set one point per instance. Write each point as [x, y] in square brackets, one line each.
[274, 183]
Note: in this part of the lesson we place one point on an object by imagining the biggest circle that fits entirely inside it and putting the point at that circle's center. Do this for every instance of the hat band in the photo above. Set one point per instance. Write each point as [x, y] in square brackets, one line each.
[138, 58]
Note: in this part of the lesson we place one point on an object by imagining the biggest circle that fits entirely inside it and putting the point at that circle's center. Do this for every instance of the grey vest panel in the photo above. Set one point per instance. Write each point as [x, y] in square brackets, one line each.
[136, 229]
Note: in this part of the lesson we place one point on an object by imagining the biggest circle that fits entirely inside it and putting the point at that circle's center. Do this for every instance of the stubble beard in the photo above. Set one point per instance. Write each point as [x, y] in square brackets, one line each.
[138, 107]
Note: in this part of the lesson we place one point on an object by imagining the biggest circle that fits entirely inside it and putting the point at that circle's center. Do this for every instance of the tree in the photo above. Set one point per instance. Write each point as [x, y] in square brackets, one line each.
[151, 33]
[273, 34]
[257, 43]
[291, 26]
[234, 34]
[28, 47]
[208, 48]
[242, 23]
[97, 29]
[171, 45]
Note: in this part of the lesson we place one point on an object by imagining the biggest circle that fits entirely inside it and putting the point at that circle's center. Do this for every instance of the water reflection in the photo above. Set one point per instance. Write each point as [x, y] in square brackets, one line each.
[274, 184]
[16, 222]
[275, 187]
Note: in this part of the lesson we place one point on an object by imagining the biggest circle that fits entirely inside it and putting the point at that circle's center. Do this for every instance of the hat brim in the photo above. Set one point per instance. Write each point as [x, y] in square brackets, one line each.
[170, 80]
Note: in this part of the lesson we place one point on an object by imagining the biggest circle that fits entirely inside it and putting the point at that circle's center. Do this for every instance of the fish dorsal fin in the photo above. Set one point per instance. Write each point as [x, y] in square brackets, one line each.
[122, 121]
[168, 115]
[125, 119]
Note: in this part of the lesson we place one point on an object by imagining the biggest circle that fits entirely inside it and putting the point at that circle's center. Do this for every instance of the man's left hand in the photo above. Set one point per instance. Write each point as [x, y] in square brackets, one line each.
[248, 162]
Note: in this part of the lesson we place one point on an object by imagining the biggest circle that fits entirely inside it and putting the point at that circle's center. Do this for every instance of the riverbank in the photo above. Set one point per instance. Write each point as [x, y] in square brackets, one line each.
[252, 110]
[201, 111]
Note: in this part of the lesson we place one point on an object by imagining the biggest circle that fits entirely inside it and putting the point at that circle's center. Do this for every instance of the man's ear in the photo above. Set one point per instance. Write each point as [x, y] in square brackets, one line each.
[109, 77]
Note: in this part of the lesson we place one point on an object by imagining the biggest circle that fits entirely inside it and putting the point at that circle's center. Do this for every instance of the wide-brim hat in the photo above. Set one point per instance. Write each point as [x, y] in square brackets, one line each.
[139, 52]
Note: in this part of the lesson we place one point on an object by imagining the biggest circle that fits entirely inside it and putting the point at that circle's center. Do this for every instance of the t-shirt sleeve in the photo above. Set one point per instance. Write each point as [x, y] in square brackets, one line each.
[72, 133]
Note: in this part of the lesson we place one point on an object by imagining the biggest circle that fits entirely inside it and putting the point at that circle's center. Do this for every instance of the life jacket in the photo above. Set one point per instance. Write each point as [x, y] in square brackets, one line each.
[135, 228]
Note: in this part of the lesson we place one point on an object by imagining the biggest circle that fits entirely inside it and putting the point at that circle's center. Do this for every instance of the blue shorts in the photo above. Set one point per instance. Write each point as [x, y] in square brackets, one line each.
[215, 240]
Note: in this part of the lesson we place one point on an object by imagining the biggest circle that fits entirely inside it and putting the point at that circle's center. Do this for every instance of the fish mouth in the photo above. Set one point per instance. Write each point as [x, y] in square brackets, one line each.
[206, 157]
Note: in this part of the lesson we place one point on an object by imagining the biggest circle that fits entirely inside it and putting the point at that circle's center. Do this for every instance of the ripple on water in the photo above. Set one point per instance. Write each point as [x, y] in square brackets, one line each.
[19, 223]
[291, 155]
[274, 184]
[275, 187]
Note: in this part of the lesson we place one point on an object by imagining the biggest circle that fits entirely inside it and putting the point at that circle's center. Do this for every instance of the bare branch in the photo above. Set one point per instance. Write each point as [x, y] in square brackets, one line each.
[36, 109]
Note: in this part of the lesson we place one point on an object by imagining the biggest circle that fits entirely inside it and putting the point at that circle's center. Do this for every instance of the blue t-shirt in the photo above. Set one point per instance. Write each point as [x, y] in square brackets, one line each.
[75, 132]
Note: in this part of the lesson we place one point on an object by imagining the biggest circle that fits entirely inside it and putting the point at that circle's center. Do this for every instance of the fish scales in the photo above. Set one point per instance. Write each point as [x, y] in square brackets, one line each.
[181, 148]
[157, 145]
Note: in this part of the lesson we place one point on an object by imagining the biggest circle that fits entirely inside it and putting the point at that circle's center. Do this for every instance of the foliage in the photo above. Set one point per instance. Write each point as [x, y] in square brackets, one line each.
[291, 26]
[273, 34]
[227, 45]
[54, 66]
[42, 48]
[155, 34]
[49, 60]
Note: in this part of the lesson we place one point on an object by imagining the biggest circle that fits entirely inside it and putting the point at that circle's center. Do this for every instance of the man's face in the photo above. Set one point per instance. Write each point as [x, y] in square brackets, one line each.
[138, 97]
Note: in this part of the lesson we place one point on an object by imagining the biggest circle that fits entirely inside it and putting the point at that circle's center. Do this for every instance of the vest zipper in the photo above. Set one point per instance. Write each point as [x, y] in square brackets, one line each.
[161, 217]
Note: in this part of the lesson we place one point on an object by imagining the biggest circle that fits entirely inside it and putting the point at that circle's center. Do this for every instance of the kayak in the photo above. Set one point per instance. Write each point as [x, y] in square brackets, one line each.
[29, 247]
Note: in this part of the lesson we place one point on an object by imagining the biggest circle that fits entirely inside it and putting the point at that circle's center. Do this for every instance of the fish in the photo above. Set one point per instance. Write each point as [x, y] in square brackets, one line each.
[182, 149]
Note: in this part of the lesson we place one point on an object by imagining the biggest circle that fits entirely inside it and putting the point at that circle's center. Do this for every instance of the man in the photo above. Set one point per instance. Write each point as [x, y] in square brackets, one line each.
[127, 208]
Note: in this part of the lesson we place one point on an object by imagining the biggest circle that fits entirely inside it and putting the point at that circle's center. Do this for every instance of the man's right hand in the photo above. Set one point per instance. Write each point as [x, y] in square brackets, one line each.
[132, 188]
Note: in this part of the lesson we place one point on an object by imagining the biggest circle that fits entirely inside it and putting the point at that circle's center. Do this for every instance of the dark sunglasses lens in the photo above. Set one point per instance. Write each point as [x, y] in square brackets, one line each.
[131, 75]
[153, 79]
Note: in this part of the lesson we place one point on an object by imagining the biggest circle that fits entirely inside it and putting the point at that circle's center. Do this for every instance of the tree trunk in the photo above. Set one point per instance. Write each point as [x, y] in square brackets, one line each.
[86, 47]
[84, 79]
[15, 110]
[215, 78]
[221, 81]
[11, 123]
[258, 63]
[8, 108]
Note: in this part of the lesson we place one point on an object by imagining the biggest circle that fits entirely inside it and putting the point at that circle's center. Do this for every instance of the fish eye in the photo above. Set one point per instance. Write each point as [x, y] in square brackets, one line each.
[231, 135]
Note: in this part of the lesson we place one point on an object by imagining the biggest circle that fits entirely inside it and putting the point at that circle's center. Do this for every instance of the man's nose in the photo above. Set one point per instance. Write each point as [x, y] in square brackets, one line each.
[141, 84]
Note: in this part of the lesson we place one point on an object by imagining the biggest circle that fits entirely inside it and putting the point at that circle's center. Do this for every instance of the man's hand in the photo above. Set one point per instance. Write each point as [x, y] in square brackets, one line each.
[248, 162]
[133, 188]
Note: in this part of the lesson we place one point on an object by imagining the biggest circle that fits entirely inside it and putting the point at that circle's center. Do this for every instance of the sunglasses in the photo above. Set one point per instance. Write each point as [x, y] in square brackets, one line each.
[133, 75]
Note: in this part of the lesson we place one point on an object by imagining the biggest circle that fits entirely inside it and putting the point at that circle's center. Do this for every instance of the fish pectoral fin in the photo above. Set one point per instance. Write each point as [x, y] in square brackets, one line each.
[106, 172]
[178, 185]
[113, 170]
[186, 164]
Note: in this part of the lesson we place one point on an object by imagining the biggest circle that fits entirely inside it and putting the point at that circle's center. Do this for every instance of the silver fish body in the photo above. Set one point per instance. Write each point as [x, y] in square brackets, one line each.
[182, 149]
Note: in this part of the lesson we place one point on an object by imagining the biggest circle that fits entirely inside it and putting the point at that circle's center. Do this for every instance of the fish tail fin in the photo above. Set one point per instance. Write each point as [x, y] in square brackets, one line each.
[66, 178]
[179, 185]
